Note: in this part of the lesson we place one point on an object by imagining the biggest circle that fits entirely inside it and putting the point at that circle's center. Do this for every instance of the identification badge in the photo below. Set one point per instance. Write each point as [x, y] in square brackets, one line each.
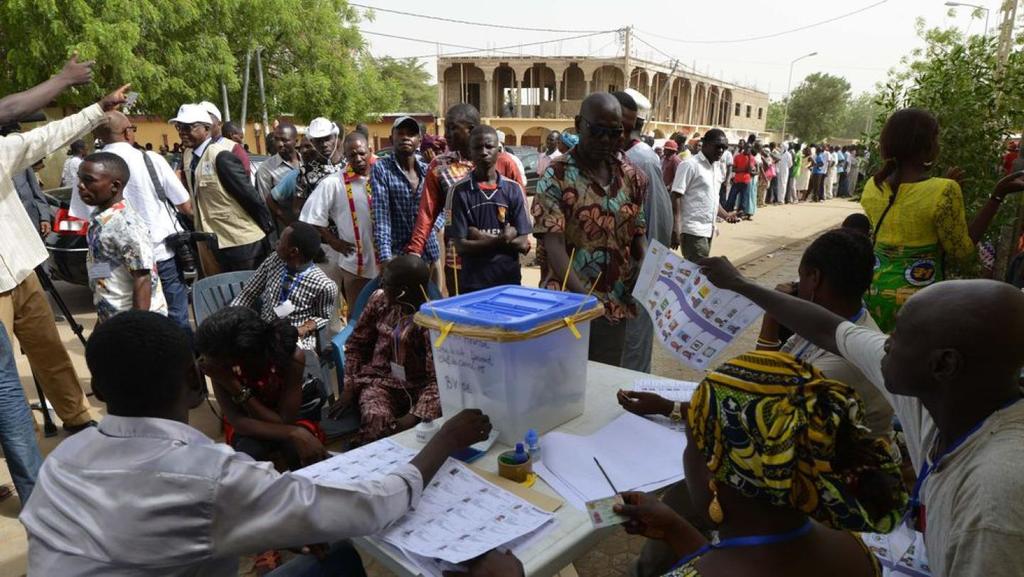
[398, 371]
[284, 309]
[99, 270]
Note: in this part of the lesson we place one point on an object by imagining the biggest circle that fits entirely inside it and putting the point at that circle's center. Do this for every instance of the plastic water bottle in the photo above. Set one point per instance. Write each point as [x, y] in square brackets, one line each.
[533, 444]
[425, 430]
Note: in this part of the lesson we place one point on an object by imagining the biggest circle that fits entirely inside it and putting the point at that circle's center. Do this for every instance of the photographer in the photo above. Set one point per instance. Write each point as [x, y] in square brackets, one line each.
[151, 190]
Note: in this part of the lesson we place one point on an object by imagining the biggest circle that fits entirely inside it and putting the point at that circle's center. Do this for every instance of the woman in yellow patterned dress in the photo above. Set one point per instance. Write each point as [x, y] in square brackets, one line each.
[921, 225]
[777, 456]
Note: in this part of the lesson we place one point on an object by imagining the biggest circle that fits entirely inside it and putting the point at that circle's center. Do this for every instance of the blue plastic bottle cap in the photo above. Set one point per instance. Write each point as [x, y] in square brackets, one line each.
[519, 449]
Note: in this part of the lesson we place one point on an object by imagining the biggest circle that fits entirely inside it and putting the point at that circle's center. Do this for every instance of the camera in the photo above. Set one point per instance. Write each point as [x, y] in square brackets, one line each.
[182, 244]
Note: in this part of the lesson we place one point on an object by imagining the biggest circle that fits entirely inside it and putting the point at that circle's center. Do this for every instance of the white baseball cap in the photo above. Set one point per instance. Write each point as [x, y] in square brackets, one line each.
[191, 114]
[321, 127]
[643, 105]
[212, 110]
[501, 136]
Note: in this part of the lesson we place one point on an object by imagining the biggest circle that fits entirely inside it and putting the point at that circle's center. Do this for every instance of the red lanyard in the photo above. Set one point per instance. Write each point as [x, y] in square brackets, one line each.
[350, 175]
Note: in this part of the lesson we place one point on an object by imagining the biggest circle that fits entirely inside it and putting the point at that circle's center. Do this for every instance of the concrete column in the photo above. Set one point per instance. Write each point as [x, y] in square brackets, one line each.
[487, 98]
[689, 107]
[558, 97]
[519, 97]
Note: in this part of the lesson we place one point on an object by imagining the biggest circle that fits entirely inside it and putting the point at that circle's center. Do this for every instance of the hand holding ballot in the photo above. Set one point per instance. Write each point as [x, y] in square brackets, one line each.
[722, 273]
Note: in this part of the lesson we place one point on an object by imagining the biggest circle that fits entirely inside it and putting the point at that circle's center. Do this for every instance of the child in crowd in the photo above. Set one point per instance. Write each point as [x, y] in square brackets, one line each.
[122, 272]
[289, 286]
[257, 370]
[489, 225]
[389, 366]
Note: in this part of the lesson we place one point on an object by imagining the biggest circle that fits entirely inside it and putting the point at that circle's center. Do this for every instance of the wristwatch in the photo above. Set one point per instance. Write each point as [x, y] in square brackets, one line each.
[244, 395]
[677, 412]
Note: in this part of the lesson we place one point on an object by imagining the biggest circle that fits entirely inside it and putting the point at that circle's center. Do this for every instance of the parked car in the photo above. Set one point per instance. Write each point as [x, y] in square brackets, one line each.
[67, 244]
[529, 157]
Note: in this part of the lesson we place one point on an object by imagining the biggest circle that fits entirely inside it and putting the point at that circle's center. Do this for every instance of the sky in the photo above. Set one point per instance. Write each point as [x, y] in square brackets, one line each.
[861, 47]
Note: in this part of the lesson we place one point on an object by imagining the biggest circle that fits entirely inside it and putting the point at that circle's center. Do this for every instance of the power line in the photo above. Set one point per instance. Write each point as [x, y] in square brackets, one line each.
[396, 37]
[469, 23]
[504, 49]
[768, 36]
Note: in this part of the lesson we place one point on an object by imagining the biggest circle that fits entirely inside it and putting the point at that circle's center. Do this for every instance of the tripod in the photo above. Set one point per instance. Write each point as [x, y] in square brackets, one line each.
[49, 428]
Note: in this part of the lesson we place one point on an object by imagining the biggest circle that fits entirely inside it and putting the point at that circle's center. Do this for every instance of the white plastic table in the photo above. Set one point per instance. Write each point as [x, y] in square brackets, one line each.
[573, 535]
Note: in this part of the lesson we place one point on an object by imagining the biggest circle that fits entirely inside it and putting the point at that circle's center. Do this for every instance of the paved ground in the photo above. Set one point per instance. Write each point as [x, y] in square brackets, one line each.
[770, 246]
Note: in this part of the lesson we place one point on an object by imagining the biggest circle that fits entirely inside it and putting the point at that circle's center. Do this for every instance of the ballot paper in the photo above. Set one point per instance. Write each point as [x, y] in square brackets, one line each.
[637, 455]
[369, 461]
[901, 552]
[436, 567]
[680, 391]
[461, 516]
[692, 318]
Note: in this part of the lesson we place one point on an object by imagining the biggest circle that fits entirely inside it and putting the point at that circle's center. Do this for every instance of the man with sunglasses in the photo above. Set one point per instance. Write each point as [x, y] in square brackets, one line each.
[589, 208]
[226, 204]
[695, 197]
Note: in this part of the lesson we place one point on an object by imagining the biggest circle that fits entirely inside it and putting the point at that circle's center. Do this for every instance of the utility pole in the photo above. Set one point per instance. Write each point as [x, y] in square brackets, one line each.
[1009, 234]
[628, 42]
[224, 99]
[245, 90]
[668, 85]
[263, 93]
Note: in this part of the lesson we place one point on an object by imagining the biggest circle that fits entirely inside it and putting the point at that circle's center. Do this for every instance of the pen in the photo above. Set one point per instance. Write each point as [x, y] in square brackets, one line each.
[606, 478]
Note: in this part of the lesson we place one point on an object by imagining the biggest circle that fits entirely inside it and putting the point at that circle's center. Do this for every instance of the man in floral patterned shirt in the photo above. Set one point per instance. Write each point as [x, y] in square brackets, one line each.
[589, 207]
[122, 271]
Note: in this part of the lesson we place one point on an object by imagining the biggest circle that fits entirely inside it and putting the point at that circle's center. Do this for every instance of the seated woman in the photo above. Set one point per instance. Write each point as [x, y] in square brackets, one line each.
[389, 366]
[777, 457]
[289, 286]
[257, 373]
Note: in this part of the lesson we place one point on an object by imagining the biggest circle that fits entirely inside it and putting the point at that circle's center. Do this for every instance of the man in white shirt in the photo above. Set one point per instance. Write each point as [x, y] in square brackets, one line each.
[951, 371]
[695, 197]
[69, 175]
[146, 494]
[118, 137]
[344, 199]
[782, 167]
[24, 307]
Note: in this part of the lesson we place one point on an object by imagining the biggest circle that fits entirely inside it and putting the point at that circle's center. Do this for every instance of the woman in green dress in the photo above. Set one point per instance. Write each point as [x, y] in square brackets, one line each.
[922, 224]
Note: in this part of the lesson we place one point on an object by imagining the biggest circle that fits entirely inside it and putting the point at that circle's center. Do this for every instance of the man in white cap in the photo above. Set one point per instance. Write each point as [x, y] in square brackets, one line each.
[216, 130]
[226, 204]
[327, 158]
[515, 159]
[636, 354]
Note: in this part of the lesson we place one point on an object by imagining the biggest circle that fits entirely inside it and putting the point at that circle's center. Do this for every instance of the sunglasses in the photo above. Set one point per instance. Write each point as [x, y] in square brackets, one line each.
[601, 131]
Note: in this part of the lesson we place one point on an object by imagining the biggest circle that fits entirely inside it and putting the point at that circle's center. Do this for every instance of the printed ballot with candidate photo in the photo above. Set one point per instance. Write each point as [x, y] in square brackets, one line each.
[693, 319]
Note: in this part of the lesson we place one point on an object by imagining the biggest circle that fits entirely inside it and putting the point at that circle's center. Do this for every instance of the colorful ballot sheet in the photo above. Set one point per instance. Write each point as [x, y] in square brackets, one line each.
[694, 319]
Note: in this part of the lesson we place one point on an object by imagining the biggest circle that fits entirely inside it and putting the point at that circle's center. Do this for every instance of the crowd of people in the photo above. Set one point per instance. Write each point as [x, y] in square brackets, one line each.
[325, 223]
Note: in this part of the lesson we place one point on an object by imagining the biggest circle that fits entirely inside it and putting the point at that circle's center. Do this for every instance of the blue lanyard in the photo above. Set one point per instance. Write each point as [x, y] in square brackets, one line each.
[800, 355]
[750, 541]
[916, 513]
[286, 285]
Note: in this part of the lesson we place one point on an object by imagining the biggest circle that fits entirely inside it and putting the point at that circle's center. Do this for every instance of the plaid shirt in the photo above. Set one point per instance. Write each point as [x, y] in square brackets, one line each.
[312, 293]
[395, 205]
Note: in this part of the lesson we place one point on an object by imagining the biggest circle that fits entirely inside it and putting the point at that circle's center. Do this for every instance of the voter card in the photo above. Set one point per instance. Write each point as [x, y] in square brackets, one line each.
[284, 309]
[601, 512]
[398, 371]
[99, 269]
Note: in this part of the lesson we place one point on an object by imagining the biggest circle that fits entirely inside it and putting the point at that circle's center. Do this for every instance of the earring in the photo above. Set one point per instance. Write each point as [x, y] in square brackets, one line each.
[715, 512]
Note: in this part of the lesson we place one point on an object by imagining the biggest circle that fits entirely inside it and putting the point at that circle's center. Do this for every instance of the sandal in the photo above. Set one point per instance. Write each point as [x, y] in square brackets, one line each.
[266, 562]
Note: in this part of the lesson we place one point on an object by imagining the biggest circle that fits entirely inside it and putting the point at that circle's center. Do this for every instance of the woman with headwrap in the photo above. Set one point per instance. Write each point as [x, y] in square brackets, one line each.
[778, 458]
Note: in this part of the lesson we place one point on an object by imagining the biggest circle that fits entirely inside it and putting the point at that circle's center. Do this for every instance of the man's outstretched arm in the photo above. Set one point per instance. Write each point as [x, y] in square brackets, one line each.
[805, 318]
[19, 105]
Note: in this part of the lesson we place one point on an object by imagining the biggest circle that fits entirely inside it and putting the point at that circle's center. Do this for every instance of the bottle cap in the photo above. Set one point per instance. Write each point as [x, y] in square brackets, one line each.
[520, 449]
[531, 436]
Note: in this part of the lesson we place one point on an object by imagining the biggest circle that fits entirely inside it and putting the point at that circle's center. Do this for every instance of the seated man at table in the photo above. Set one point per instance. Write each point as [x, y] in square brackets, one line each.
[289, 286]
[389, 366]
[146, 494]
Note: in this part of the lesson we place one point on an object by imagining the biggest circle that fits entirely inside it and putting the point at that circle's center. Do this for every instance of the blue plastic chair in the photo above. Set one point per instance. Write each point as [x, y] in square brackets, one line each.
[212, 293]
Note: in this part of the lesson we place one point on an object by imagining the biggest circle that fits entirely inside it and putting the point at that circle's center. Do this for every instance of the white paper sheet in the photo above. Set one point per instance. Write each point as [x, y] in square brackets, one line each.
[692, 318]
[462, 516]
[901, 552]
[637, 454]
[436, 567]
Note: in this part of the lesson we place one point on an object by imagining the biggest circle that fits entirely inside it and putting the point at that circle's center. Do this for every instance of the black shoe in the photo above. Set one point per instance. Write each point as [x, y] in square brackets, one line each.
[72, 429]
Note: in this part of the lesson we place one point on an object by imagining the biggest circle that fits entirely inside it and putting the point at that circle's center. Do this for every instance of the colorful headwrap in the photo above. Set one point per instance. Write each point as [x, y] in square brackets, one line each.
[777, 430]
[570, 140]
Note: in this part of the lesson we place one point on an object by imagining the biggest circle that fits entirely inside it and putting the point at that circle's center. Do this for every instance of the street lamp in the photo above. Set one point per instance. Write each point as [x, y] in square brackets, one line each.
[976, 7]
[789, 86]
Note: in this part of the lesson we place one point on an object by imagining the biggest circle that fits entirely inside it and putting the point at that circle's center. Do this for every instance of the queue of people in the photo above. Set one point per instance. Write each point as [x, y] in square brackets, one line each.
[784, 492]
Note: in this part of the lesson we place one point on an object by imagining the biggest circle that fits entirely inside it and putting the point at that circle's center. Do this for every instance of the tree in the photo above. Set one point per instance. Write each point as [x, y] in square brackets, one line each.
[415, 92]
[175, 51]
[858, 117]
[776, 115]
[816, 105]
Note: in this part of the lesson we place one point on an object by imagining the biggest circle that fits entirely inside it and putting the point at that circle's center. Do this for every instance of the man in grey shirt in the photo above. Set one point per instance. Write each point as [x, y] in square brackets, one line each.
[274, 169]
[657, 211]
[146, 494]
